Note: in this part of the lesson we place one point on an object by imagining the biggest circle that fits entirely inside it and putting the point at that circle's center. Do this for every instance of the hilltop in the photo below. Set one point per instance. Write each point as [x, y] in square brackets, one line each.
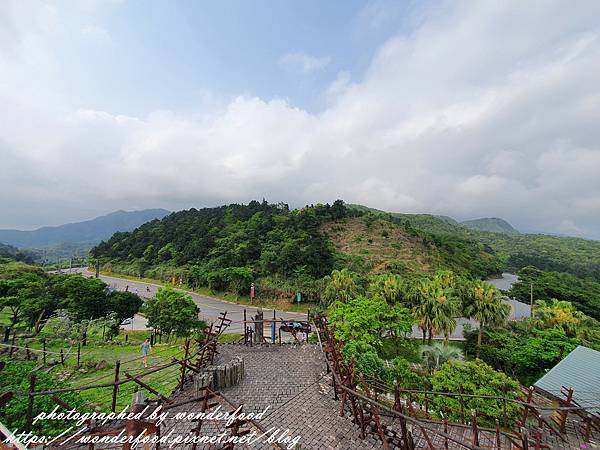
[492, 224]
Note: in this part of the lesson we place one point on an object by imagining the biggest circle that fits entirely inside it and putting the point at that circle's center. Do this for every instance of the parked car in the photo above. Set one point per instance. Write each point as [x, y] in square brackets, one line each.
[295, 327]
[127, 321]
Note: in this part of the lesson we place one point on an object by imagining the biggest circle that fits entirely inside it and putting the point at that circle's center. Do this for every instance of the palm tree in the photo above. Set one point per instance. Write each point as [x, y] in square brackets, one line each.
[340, 287]
[488, 306]
[557, 313]
[434, 355]
[420, 298]
[436, 307]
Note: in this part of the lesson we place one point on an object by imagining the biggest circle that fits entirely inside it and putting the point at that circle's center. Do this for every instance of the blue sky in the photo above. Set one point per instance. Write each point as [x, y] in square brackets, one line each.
[462, 108]
[138, 56]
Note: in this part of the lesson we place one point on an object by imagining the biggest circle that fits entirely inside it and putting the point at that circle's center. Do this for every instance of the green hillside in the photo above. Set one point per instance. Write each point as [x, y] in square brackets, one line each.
[492, 224]
[576, 256]
[228, 247]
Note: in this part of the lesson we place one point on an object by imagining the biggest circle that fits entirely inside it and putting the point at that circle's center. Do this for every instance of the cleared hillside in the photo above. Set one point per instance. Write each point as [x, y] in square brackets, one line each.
[377, 246]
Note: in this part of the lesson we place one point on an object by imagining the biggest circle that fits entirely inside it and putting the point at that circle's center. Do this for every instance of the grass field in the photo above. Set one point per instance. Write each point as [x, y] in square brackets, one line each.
[98, 360]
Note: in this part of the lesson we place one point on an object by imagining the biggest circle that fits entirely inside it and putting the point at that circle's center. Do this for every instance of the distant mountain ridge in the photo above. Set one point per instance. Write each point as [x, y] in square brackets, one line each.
[89, 231]
[492, 224]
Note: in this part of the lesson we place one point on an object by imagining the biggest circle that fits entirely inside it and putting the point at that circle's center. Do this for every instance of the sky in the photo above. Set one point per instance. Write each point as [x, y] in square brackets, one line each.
[461, 108]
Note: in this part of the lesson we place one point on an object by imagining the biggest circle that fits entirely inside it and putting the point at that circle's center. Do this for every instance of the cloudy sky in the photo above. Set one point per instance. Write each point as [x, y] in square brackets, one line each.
[471, 109]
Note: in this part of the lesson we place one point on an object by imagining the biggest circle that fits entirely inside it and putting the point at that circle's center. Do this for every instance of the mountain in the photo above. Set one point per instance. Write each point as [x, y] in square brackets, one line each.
[86, 232]
[492, 224]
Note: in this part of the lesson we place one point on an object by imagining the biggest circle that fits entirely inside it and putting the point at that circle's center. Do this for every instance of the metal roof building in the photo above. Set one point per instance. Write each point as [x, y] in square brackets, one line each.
[580, 370]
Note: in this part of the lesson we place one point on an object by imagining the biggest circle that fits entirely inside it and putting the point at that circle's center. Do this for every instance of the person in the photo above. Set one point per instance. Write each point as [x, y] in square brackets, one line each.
[145, 351]
[147, 288]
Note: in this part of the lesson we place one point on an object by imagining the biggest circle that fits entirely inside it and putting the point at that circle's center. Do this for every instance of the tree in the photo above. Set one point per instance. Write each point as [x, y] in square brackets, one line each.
[388, 286]
[84, 298]
[172, 311]
[124, 304]
[557, 313]
[369, 320]
[474, 377]
[436, 354]
[436, 304]
[340, 287]
[488, 307]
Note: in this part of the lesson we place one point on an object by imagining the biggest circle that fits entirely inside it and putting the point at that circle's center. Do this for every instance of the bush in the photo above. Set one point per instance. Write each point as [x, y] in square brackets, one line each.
[474, 377]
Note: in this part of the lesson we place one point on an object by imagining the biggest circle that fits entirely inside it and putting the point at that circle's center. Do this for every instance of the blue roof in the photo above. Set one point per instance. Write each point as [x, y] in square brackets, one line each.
[580, 370]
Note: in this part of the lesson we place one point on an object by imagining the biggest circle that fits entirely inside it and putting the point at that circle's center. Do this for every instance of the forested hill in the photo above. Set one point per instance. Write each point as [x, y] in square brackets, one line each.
[236, 244]
[492, 224]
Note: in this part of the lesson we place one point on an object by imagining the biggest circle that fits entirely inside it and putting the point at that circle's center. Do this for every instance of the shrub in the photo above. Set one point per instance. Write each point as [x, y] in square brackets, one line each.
[474, 377]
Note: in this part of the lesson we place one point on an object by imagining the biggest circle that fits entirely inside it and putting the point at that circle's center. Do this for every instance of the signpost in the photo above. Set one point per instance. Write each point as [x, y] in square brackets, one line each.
[251, 292]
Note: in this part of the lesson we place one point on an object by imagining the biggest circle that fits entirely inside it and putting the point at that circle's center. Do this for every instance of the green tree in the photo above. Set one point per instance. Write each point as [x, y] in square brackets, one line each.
[557, 313]
[340, 287]
[124, 304]
[390, 287]
[474, 377]
[488, 306]
[436, 354]
[369, 320]
[172, 311]
[436, 304]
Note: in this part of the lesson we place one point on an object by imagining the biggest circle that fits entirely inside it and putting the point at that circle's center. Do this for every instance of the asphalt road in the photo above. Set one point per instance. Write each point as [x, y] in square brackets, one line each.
[210, 308]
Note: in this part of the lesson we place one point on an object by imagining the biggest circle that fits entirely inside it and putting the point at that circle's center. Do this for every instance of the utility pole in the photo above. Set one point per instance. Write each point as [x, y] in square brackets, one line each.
[531, 299]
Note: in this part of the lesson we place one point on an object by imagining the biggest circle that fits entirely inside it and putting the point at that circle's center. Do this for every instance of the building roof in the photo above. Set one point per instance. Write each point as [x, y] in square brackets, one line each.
[580, 370]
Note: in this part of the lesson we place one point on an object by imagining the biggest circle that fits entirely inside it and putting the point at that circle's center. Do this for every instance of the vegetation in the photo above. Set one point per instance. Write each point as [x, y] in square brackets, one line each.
[173, 312]
[474, 377]
[575, 256]
[15, 377]
[584, 294]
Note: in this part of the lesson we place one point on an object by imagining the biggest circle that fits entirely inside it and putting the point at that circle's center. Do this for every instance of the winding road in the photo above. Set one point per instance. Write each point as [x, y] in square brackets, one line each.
[210, 307]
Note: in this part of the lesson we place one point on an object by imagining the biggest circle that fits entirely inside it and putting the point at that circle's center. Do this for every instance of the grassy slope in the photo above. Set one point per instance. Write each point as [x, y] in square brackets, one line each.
[380, 244]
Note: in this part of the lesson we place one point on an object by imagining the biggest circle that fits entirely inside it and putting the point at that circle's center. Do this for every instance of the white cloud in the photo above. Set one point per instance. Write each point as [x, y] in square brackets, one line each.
[97, 33]
[486, 109]
[304, 62]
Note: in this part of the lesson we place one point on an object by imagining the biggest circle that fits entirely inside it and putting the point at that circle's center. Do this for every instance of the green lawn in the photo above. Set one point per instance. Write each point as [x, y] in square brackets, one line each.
[98, 360]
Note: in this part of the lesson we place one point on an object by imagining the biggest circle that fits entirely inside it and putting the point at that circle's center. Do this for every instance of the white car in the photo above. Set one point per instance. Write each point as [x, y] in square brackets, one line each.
[127, 321]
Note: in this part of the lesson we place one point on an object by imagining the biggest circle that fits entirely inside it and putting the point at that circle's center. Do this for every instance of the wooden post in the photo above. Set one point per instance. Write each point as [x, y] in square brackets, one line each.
[116, 386]
[498, 440]
[44, 350]
[62, 357]
[245, 328]
[526, 407]
[524, 439]
[78, 353]
[474, 428]
[186, 354]
[27, 351]
[29, 422]
[504, 415]
[462, 405]
[446, 432]
[565, 413]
